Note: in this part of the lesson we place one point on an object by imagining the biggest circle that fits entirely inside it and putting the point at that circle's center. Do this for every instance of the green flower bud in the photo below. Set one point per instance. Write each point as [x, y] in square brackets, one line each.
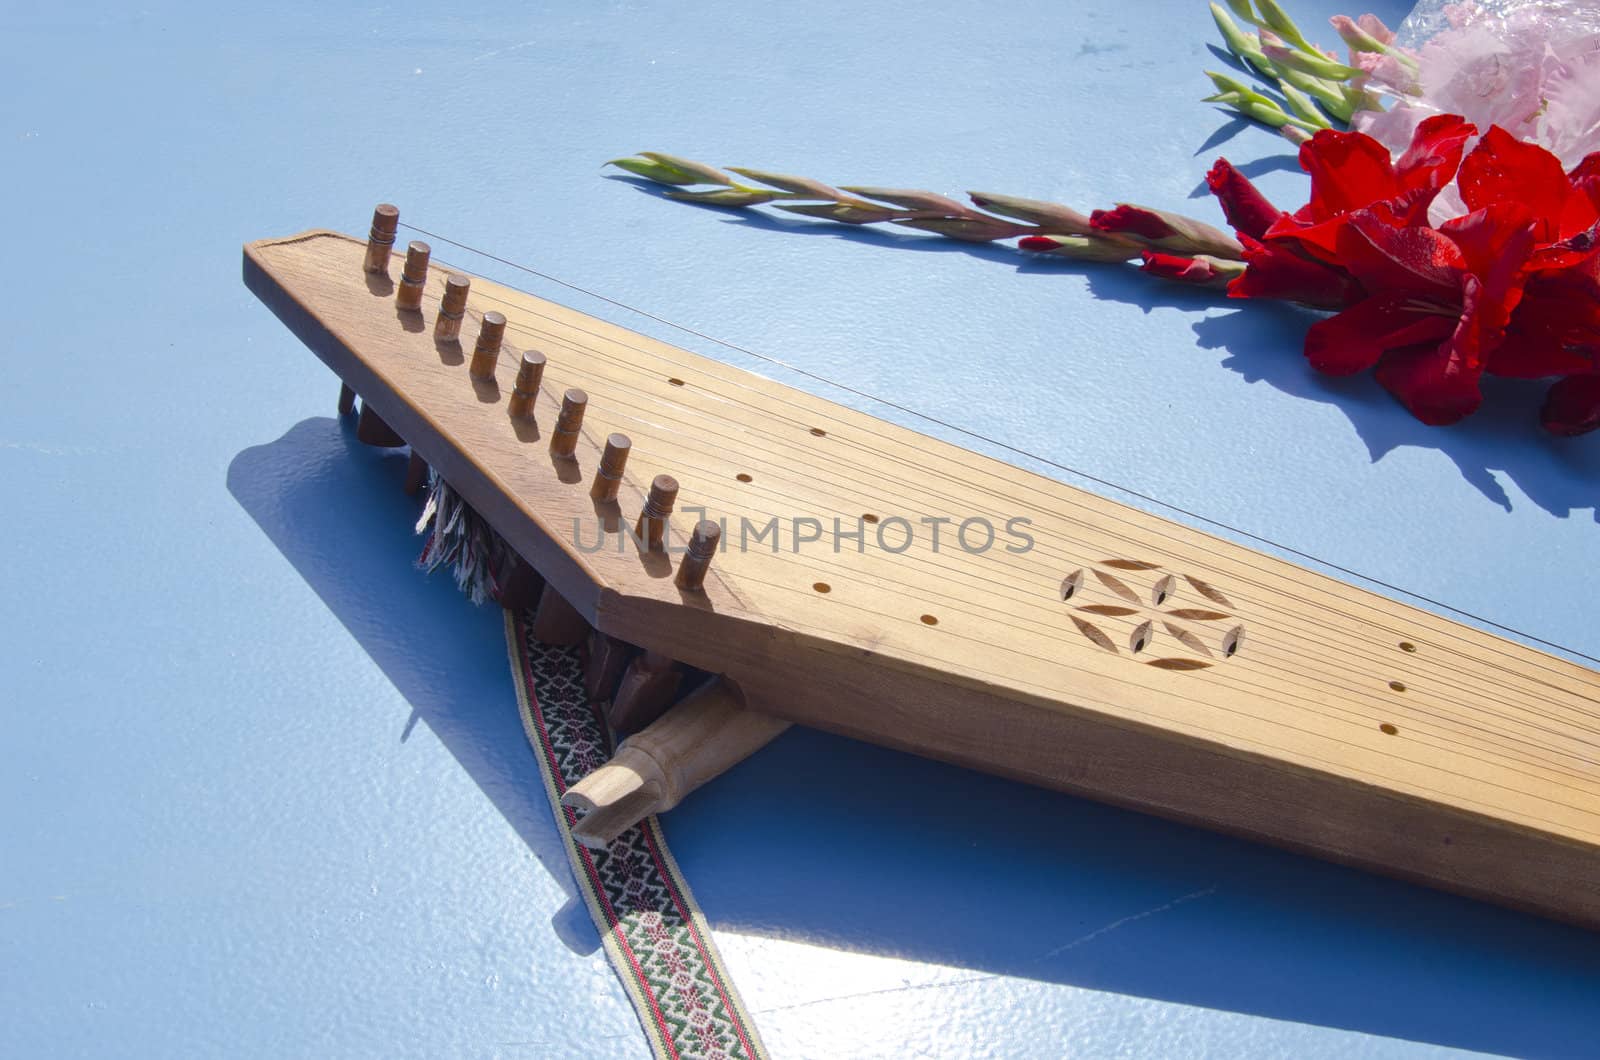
[734, 197]
[1335, 98]
[1302, 105]
[850, 213]
[656, 171]
[966, 229]
[1318, 65]
[707, 174]
[916, 200]
[805, 186]
[1279, 21]
[1081, 248]
[1239, 42]
[1049, 216]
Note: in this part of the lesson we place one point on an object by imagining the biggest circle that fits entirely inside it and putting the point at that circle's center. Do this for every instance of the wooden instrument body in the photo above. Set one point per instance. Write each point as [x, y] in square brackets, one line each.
[1122, 656]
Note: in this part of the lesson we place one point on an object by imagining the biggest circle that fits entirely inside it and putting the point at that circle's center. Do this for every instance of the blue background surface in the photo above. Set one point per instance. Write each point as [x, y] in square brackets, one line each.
[262, 787]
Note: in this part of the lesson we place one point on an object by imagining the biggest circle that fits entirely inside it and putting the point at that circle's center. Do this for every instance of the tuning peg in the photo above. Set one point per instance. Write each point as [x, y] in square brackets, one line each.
[564, 439]
[530, 373]
[412, 277]
[452, 307]
[697, 560]
[380, 240]
[486, 353]
[651, 530]
[608, 476]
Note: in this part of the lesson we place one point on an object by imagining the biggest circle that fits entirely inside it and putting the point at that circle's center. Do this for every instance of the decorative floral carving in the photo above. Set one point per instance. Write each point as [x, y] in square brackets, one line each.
[1159, 608]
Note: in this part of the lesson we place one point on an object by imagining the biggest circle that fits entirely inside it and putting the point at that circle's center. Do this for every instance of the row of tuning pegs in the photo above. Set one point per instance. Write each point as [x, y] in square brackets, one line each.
[651, 528]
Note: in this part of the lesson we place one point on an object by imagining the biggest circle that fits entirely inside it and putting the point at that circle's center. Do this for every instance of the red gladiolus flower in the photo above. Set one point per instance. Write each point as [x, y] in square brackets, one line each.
[1133, 220]
[1351, 171]
[1512, 287]
[1247, 210]
[1200, 269]
[1555, 330]
[1572, 406]
[1504, 169]
[1278, 270]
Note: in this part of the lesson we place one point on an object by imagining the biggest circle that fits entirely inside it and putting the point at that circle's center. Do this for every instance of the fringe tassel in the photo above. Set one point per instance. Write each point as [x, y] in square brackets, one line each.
[459, 537]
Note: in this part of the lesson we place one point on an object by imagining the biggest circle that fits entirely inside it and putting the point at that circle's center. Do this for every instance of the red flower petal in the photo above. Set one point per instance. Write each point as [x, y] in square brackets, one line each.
[1577, 250]
[1355, 339]
[1131, 219]
[1416, 260]
[1554, 331]
[1348, 170]
[1177, 267]
[1247, 210]
[1428, 384]
[1492, 239]
[1504, 169]
[1572, 405]
[1496, 244]
[1586, 169]
[1535, 354]
[1320, 240]
[1275, 270]
[1439, 384]
[1435, 152]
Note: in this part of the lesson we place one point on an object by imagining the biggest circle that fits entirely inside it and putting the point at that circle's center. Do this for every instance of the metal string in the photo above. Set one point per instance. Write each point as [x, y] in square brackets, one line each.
[1392, 706]
[1000, 444]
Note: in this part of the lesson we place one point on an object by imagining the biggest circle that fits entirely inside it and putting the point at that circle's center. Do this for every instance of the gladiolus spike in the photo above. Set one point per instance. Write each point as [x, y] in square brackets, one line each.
[736, 197]
[707, 174]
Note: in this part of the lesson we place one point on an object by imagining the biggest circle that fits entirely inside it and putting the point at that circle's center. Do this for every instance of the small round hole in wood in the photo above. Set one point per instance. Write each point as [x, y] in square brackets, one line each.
[822, 587]
[1389, 729]
[675, 381]
[1406, 645]
[929, 620]
[742, 477]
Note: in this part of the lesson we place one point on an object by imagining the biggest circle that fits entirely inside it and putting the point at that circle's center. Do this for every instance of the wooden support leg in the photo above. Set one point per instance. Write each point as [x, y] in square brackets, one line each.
[416, 473]
[697, 740]
[558, 622]
[608, 658]
[648, 687]
[521, 587]
[347, 399]
[371, 429]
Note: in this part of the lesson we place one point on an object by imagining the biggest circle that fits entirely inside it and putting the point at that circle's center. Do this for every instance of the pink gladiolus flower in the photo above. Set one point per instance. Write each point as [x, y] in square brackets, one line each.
[1534, 71]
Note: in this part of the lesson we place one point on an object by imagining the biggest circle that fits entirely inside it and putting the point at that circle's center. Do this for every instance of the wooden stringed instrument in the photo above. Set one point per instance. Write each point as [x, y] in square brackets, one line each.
[782, 543]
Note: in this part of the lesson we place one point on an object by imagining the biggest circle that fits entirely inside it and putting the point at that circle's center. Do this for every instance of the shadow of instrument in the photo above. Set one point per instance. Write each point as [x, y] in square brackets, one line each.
[843, 572]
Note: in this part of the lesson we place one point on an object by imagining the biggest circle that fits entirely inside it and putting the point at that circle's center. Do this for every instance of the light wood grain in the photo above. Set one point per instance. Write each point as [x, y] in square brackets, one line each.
[1345, 724]
[707, 734]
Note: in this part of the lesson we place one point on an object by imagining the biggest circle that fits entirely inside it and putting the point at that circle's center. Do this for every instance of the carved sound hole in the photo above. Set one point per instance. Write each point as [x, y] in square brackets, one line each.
[1167, 620]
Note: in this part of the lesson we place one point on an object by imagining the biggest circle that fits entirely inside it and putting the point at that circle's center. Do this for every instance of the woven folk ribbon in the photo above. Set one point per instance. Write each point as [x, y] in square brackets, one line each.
[652, 930]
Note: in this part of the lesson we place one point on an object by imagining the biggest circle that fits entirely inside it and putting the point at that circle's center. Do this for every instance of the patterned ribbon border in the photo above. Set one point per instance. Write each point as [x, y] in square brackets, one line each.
[647, 918]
